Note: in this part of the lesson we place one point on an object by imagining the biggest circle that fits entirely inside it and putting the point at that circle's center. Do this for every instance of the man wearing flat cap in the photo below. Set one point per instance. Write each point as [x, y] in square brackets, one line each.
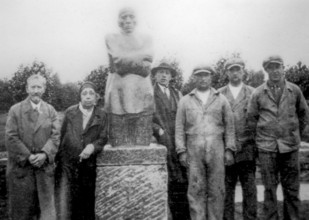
[278, 114]
[238, 95]
[205, 143]
[166, 100]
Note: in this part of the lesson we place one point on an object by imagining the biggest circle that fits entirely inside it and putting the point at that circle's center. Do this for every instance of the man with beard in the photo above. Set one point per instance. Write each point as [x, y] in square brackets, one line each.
[31, 139]
[238, 95]
[166, 101]
[278, 114]
[205, 142]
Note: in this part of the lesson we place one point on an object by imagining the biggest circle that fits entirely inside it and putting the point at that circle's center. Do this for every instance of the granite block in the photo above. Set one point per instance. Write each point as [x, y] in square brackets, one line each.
[132, 183]
[127, 155]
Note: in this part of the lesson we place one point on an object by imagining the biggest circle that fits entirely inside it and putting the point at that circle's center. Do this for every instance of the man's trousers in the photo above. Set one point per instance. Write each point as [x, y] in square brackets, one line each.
[245, 172]
[283, 167]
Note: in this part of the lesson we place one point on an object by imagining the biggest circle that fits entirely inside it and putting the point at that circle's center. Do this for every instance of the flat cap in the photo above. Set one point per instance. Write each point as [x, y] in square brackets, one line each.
[203, 69]
[272, 59]
[164, 66]
[234, 62]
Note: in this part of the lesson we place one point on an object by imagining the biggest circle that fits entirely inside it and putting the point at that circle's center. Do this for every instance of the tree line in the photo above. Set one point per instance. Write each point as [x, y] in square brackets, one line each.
[63, 95]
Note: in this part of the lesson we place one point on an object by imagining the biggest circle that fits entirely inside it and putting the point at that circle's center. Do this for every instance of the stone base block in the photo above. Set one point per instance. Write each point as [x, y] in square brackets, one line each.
[132, 183]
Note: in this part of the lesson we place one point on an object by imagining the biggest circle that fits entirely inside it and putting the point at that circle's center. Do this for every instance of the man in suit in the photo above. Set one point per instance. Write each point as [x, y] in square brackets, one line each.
[166, 101]
[32, 138]
[238, 95]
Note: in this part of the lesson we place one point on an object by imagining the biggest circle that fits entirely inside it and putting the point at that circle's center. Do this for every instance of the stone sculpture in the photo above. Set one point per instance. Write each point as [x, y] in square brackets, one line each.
[129, 99]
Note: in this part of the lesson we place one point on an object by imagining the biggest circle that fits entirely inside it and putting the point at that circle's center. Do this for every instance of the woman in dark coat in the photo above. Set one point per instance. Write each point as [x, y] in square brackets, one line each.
[83, 135]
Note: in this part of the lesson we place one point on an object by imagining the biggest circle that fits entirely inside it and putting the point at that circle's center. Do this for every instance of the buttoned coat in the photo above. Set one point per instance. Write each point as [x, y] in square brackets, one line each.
[278, 127]
[244, 137]
[164, 118]
[22, 138]
[75, 179]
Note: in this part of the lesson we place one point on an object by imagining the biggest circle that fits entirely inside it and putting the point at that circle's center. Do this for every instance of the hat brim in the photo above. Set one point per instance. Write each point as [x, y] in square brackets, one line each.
[202, 71]
[235, 64]
[154, 70]
[272, 61]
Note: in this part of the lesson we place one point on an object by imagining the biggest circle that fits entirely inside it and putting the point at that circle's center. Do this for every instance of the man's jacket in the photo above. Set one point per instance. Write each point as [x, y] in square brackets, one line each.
[164, 118]
[278, 127]
[244, 138]
[210, 125]
[22, 137]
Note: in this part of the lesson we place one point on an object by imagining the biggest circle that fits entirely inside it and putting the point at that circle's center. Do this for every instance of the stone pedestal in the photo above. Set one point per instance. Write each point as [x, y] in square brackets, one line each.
[132, 183]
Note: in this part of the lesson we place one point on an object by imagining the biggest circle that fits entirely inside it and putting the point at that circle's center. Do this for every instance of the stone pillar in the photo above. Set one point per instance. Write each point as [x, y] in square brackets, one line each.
[132, 183]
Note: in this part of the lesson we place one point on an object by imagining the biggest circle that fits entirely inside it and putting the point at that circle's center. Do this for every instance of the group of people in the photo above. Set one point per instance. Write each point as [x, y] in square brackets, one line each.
[218, 135]
[213, 137]
[36, 144]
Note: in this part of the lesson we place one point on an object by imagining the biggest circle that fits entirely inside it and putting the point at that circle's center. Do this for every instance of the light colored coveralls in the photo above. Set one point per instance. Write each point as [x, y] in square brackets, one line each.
[205, 132]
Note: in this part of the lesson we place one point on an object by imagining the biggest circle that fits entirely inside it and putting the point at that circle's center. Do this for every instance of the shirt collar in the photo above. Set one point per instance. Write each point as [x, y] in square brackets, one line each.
[162, 86]
[239, 86]
[36, 106]
[285, 84]
[271, 84]
[85, 111]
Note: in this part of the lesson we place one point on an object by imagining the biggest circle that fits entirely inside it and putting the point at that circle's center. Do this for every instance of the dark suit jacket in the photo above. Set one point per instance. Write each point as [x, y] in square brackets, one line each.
[164, 118]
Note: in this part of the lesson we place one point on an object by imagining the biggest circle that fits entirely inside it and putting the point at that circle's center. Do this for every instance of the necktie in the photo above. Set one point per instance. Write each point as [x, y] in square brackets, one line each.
[34, 115]
[166, 92]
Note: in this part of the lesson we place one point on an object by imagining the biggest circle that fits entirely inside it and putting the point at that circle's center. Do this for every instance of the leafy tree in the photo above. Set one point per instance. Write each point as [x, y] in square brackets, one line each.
[299, 74]
[68, 95]
[188, 86]
[6, 98]
[255, 79]
[99, 77]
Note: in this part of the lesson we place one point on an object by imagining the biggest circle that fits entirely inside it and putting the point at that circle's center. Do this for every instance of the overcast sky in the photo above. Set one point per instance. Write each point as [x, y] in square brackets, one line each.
[68, 35]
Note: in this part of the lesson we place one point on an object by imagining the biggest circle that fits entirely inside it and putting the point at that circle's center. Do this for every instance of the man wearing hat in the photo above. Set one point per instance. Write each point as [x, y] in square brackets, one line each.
[166, 100]
[278, 114]
[205, 143]
[238, 95]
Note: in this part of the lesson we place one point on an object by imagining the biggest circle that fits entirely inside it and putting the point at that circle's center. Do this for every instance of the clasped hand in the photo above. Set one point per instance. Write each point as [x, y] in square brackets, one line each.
[37, 160]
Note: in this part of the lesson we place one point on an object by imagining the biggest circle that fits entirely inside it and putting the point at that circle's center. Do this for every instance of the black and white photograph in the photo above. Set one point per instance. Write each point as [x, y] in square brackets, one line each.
[154, 110]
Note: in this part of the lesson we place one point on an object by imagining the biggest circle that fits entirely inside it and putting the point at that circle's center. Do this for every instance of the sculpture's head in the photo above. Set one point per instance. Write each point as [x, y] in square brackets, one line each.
[127, 20]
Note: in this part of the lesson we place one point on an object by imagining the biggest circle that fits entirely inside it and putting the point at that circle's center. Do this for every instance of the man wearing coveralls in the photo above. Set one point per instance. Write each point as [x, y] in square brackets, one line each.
[205, 143]
[238, 95]
[278, 114]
